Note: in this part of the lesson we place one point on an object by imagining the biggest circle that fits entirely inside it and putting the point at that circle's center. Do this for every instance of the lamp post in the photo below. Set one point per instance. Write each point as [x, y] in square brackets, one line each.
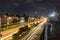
[0, 27]
[36, 14]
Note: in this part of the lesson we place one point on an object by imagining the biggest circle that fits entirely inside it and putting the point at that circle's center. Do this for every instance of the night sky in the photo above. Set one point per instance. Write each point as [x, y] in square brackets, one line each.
[29, 7]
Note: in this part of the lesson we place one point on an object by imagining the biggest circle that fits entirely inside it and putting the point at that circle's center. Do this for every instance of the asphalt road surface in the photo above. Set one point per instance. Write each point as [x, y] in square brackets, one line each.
[8, 34]
[32, 35]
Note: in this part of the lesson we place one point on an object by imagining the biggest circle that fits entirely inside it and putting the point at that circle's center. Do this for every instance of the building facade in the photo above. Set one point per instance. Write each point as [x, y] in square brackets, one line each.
[8, 20]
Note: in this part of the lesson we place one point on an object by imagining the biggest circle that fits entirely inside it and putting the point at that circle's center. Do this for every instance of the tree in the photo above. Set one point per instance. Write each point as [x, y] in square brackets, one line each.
[21, 30]
[16, 36]
[58, 11]
[6, 14]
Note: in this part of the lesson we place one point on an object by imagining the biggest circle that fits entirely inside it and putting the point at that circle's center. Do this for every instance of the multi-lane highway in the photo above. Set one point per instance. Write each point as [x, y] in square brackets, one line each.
[32, 35]
[8, 34]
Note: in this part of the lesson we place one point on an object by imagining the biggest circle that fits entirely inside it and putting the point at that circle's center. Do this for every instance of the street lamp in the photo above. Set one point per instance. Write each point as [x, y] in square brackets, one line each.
[52, 15]
[36, 14]
[0, 26]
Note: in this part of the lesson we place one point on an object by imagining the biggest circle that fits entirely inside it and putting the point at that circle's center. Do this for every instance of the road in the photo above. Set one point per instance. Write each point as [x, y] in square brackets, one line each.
[32, 35]
[8, 34]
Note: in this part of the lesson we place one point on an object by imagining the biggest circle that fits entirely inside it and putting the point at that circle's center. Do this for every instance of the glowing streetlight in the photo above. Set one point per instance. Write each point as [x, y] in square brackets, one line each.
[52, 15]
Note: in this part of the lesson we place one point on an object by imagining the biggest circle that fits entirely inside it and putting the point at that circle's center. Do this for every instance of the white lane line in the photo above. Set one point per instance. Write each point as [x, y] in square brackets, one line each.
[36, 30]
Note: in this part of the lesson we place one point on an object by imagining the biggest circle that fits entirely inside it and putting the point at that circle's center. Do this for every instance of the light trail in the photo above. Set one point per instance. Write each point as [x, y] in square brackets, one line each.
[15, 31]
[36, 30]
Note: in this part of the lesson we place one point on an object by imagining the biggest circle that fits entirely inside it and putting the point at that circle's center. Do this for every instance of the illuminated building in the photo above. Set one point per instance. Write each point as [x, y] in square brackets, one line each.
[8, 20]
